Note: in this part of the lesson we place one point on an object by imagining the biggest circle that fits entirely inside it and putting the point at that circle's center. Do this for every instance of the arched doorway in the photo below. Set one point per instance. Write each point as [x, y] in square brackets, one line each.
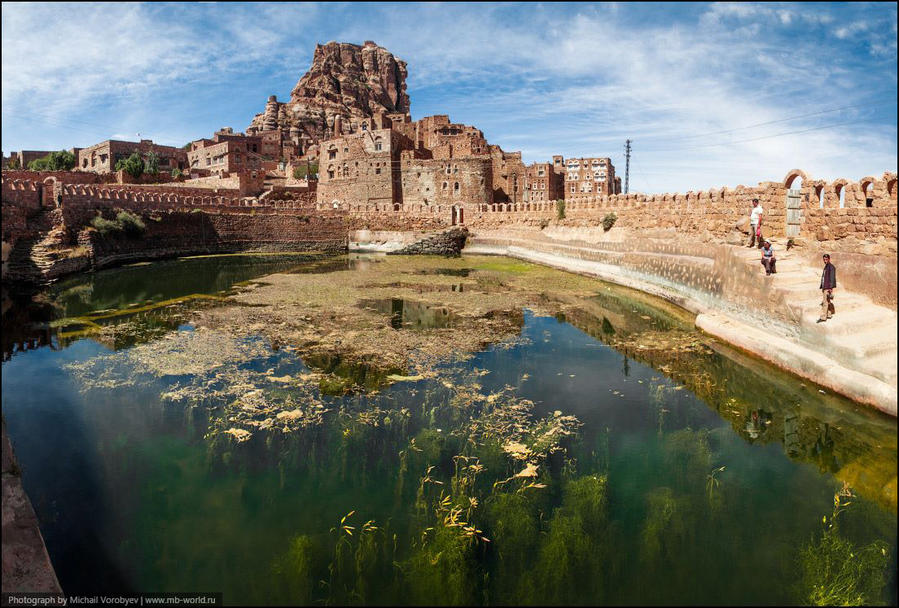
[793, 183]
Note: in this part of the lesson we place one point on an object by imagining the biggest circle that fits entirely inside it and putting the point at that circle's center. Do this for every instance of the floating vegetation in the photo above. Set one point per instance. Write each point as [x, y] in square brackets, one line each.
[301, 449]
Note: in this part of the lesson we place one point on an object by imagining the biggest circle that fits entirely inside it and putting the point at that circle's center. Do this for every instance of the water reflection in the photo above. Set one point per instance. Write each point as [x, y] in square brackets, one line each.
[406, 314]
[610, 446]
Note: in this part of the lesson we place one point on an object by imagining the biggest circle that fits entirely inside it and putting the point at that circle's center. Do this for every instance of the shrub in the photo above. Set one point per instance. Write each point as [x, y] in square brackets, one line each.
[105, 227]
[151, 163]
[39, 164]
[176, 173]
[130, 223]
[55, 161]
[560, 209]
[608, 221]
[13, 163]
[133, 165]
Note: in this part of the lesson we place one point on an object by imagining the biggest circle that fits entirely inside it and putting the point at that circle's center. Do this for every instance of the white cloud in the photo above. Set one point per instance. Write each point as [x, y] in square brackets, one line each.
[576, 81]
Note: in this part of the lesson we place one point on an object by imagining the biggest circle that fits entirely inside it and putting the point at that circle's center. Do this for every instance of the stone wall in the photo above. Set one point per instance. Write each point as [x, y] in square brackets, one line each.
[179, 233]
[723, 214]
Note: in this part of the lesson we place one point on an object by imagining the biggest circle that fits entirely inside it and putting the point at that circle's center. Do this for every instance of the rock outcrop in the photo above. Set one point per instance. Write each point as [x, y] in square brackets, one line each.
[448, 243]
[348, 81]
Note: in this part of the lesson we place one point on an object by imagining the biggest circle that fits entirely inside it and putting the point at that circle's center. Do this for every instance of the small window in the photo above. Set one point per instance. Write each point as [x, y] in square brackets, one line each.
[332, 154]
[378, 171]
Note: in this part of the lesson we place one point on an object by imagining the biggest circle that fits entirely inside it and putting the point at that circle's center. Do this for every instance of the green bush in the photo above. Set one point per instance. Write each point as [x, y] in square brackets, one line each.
[125, 222]
[13, 163]
[608, 221]
[55, 161]
[560, 209]
[133, 165]
[151, 164]
[106, 227]
[39, 164]
[176, 173]
[304, 171]
[130, 223]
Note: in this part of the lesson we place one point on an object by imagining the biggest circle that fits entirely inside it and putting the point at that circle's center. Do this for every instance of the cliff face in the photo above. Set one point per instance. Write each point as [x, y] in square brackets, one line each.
[345, 80]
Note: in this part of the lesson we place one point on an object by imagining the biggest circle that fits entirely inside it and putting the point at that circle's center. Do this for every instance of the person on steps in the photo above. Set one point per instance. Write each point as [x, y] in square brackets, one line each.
[768, 259]
[755, 223]
[828, 284]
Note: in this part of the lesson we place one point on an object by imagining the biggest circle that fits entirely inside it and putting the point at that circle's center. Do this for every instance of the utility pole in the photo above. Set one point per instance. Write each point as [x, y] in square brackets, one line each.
[627, 163]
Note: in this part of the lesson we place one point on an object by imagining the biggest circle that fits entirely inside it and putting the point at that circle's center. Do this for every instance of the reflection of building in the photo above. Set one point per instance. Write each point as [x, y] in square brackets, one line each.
[102, 157]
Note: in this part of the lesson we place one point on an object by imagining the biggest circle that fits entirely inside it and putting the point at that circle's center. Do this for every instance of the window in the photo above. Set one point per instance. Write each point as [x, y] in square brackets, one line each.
[445, 185]
[540, 173]
[330, 174]
[572, 188]
[378, 171]
[332, 154]
[377, 146]
[456, 186]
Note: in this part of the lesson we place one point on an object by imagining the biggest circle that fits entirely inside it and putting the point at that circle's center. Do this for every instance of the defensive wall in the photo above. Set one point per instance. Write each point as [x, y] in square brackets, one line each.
[47, 229]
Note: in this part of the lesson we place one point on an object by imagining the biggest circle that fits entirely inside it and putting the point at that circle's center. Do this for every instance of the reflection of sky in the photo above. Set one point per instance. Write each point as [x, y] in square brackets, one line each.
[575, 373]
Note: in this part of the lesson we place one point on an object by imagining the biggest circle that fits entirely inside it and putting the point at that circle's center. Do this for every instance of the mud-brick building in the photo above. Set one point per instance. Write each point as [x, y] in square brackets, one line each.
[226, 153]
[445, 182]
[545, 181]
[102, 157]
[590, 176]
[362, 168]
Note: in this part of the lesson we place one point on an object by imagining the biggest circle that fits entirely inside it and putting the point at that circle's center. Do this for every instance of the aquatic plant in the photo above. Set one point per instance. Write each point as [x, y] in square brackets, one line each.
[835, 572]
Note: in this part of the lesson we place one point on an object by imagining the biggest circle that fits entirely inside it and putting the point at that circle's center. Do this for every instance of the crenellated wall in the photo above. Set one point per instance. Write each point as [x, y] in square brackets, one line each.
[716, 215]
[863, 222]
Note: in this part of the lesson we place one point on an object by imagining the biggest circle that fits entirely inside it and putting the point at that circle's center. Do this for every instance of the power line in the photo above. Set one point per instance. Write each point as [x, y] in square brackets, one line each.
[741, 141]
[788, 119]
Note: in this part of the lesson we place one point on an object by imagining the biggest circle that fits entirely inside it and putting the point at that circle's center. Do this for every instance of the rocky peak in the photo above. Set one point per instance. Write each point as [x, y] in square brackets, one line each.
[345, 80]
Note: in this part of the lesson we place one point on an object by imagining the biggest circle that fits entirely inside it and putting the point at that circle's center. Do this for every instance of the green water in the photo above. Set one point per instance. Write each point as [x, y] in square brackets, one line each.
[548, 469]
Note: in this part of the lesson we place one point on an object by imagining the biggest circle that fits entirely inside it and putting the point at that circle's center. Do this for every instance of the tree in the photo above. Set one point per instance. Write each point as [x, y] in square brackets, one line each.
[151, 163]
[61, 161]
[39, 164]
[55, 161]
[133, 165]
[13, 163]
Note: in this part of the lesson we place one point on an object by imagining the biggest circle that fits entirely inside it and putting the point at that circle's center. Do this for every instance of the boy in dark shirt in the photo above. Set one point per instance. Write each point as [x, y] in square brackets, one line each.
[828, 284]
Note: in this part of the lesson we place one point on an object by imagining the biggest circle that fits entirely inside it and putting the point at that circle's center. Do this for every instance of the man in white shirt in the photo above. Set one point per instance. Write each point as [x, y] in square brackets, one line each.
[755, 224]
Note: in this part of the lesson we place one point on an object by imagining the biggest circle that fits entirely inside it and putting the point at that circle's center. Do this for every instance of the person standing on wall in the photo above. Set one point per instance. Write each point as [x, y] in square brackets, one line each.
[828, 284]
[755, 224]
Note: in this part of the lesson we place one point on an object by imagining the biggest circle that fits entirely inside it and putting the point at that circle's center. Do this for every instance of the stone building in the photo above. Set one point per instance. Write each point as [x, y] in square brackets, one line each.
[362, 168]
[102, 157]
[391, 162]
[590, 176]
[545, 181]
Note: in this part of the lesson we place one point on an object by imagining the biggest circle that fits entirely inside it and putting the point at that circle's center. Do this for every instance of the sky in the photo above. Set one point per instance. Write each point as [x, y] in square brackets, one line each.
[710, 94]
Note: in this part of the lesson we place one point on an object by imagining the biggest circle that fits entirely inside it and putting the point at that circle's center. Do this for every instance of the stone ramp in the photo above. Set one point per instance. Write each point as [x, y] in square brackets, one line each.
[854, 354]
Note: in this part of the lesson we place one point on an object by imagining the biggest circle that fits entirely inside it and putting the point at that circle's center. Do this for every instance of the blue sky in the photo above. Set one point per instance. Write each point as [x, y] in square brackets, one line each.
[710, 94]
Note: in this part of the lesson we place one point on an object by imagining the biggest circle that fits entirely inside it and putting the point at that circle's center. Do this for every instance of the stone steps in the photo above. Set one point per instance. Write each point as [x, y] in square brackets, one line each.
[860, 333]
